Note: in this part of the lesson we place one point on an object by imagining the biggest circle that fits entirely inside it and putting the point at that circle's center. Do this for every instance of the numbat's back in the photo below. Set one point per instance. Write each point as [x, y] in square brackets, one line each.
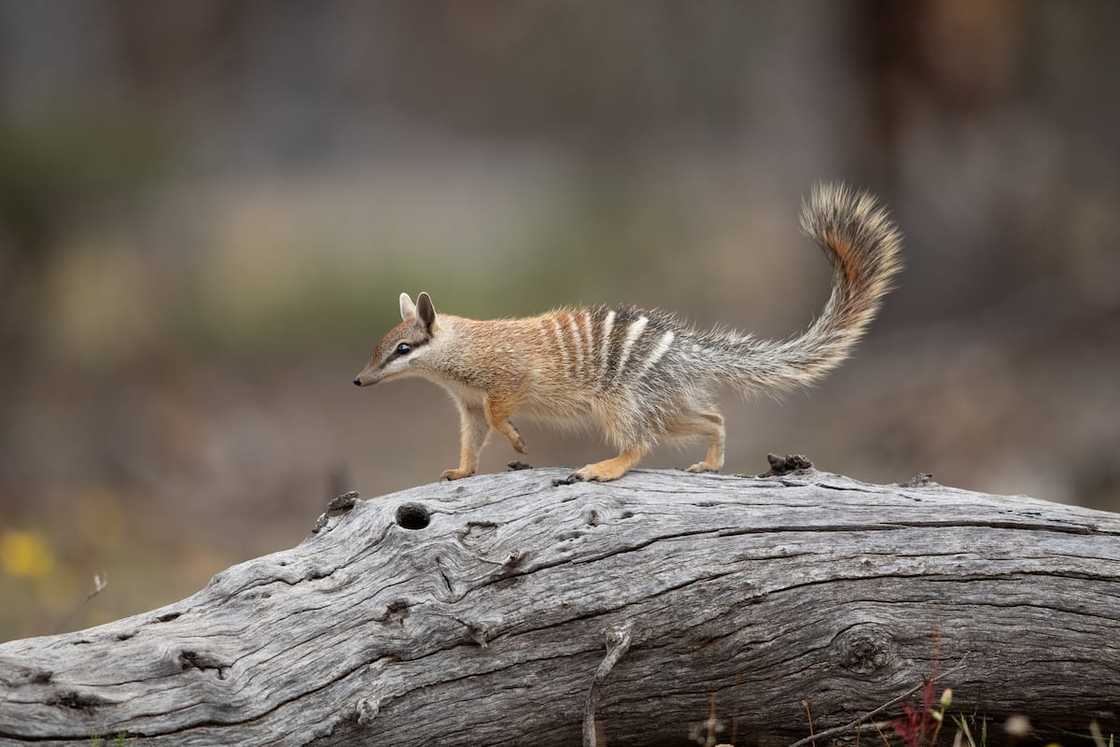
[641, 376]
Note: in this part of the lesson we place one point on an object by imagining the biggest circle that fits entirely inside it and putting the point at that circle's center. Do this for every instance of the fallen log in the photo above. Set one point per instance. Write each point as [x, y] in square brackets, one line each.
[478, 612]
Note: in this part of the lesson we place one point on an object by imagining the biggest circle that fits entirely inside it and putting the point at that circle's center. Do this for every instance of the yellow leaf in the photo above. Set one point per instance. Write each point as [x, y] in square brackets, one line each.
[25, 554]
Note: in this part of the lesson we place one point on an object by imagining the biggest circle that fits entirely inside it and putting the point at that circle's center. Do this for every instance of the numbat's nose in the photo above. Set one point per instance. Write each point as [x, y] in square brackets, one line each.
[357, 382]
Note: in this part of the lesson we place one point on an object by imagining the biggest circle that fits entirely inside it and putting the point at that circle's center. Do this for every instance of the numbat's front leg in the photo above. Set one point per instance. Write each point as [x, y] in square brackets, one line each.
[606, 470]
[498, 410]
[473, 430]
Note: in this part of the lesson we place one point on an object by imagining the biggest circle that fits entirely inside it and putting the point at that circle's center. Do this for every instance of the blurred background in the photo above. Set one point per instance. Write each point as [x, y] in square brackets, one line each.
[207, 210]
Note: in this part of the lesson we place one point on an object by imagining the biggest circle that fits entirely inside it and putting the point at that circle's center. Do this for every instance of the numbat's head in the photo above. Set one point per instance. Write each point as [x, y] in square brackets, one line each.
[402, 350]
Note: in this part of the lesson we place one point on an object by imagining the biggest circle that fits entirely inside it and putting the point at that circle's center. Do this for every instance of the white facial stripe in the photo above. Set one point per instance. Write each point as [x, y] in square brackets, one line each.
[659, 350]
[604, 354]
[633, 332]
[396, 365]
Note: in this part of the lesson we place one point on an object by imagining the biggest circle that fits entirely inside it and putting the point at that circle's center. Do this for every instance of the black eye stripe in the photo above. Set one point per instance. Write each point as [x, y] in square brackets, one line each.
[413, 346]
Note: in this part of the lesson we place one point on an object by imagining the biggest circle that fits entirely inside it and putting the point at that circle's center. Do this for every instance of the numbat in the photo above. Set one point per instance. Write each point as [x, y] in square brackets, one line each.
[641, 376]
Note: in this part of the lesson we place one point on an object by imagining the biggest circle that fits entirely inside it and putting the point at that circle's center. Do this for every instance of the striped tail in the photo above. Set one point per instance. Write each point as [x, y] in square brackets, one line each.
[864, 247]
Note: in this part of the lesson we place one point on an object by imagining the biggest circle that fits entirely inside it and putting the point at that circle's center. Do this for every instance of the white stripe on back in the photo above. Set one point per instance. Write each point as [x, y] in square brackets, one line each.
[633, 332]
[588, 341]
[658, 351]
[604, 354]
[577, 343]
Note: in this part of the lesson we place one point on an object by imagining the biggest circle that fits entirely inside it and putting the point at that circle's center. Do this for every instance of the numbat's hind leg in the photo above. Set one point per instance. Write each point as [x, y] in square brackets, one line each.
[606, 470]
[710, 425]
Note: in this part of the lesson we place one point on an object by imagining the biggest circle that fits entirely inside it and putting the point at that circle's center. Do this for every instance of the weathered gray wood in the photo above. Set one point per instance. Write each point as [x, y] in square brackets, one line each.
[487, 625]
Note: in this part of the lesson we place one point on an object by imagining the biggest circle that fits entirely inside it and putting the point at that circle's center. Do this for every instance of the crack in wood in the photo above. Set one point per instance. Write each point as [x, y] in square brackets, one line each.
[490, 616]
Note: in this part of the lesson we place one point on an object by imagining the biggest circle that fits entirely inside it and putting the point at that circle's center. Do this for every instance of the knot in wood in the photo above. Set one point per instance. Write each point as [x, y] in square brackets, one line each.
[79, 701]
[396, 612]
[864, 648]
[366, 711]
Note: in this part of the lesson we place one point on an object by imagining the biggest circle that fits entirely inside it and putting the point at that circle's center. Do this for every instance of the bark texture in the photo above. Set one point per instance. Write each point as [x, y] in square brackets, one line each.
[477, 612]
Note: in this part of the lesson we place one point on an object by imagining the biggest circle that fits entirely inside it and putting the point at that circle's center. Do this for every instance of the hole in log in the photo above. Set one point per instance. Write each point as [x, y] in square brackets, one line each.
[413, 516]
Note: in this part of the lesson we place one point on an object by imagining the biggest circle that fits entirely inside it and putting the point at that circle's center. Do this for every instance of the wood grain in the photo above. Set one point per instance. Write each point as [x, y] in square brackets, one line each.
[485, 623]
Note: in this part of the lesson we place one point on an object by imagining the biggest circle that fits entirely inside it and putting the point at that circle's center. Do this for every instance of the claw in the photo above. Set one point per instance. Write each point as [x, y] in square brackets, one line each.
[517, 443]
[569, 480]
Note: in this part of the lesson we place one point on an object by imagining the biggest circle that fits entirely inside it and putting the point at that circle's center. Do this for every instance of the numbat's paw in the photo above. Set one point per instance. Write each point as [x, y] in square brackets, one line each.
[569, 480]
[604, 471]
[516, 441]
[456, 474]
[701, 467]
[601, 471]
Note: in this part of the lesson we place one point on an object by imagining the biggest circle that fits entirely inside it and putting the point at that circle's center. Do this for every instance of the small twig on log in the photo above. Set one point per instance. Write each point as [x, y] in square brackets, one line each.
[618, 643]
[780, 465]
[873, 726]
[894, 701]
[337, 506]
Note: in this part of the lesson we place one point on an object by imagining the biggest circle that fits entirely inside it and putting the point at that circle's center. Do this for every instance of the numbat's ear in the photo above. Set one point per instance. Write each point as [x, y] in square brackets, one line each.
[426, 311]
[408, 309]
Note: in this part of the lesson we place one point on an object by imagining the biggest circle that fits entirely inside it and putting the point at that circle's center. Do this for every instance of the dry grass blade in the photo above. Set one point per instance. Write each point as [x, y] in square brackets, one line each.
[809, 715]
[963, 728]
[811, 739]
[1098, 736]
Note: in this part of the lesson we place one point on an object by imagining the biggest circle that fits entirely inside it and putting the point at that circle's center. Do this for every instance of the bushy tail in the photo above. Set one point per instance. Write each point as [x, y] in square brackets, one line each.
[864, 246]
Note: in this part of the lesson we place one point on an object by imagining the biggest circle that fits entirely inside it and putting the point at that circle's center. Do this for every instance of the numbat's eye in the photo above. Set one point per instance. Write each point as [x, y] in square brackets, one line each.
[404, 349]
